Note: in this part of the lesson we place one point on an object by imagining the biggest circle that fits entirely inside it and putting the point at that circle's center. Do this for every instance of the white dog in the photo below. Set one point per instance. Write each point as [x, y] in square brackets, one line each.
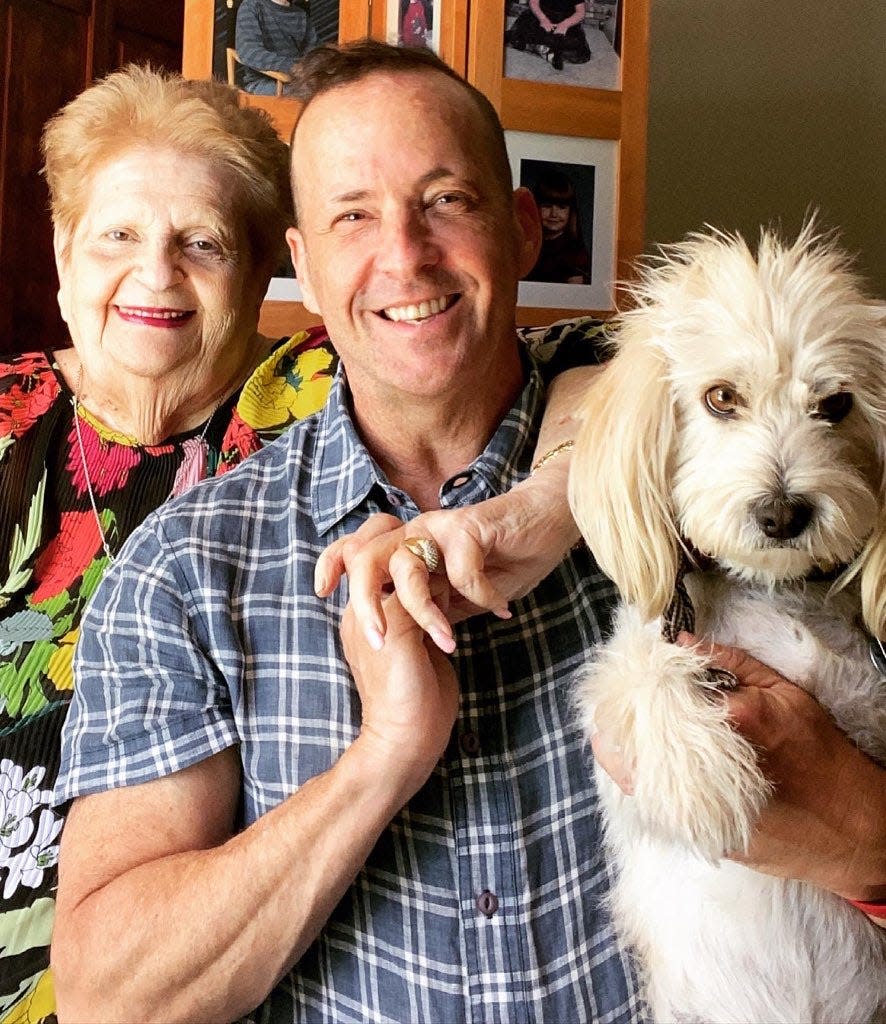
[742, 425]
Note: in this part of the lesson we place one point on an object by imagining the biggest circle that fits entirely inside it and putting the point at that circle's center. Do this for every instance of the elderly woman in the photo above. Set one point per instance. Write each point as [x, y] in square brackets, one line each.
[169, 203]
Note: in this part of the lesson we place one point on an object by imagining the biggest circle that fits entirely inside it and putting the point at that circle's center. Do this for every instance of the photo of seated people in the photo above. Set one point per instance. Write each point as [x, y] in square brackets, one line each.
[564, 42]
[257, 42]
[564, 194]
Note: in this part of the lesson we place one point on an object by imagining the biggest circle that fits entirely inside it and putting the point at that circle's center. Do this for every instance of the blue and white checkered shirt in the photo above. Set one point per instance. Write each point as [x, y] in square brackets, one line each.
[484, 900]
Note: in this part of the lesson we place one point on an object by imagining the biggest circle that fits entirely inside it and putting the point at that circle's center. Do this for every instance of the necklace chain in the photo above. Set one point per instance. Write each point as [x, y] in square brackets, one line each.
[76, 403]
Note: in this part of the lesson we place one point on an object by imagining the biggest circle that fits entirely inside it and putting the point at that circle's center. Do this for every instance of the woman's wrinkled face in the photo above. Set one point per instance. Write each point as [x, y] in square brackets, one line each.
[156, 278]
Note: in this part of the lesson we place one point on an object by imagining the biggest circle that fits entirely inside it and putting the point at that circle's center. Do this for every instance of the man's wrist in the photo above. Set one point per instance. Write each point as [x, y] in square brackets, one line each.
[395, 778]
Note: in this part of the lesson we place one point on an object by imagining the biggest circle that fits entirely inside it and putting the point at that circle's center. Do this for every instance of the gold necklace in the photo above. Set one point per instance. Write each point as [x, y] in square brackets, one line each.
[75, 402]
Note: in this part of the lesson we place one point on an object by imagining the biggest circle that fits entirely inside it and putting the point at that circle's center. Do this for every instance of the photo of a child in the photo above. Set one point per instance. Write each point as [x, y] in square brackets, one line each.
[257, 42]
[564, 194]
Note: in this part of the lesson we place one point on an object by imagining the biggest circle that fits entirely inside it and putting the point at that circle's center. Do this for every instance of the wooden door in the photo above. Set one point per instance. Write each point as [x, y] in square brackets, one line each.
[52, 49]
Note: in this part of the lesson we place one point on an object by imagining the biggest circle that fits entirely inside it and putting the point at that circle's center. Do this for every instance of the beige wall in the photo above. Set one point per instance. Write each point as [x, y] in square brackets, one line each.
[758, 110]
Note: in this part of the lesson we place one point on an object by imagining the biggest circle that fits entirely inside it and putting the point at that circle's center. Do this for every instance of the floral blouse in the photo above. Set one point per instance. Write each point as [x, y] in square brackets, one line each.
[54, 561]
[52, 557]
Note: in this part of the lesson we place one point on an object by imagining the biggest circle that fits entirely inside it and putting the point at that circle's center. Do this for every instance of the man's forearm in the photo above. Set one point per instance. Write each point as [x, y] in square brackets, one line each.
[205, 935]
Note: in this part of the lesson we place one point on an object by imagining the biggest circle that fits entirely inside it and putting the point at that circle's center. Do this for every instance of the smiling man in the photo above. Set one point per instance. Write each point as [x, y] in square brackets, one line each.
[253, 828]
[278, 818]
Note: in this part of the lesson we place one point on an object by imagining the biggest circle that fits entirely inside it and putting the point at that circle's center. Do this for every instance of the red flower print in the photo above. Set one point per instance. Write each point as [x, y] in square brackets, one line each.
[109, 463]
[239, 441]
[26, 401]
[67, 555]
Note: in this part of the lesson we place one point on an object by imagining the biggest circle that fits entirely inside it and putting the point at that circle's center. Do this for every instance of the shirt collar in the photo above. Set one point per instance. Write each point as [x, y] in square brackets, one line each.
[345, 473]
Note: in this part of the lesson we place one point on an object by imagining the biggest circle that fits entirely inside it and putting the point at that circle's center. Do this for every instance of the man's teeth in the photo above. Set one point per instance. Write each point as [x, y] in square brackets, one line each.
[152, 314]
[418, 311]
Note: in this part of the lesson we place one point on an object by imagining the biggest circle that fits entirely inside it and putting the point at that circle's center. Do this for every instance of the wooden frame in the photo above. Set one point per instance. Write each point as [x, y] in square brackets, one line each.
[451, 33]
[353, 23]
[471, 41]
[619, 115]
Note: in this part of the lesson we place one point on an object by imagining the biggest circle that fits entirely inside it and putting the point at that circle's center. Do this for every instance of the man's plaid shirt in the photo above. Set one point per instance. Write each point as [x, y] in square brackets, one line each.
[485, 899]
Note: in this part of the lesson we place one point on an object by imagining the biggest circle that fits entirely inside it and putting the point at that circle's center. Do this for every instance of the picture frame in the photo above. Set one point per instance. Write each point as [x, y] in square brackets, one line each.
[471, 42]
[207, 30]
[449, 20]
[413, 23]
[574, 181]
[527, 105]
[586, 55]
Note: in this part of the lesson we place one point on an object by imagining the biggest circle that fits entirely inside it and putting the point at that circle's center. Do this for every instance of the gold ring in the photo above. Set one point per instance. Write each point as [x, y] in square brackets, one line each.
[425, 549]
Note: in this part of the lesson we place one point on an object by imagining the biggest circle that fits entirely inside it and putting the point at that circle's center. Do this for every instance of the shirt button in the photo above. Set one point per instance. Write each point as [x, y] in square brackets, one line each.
[487, 903]
[460, 481]
[469, 743]
[394, 499]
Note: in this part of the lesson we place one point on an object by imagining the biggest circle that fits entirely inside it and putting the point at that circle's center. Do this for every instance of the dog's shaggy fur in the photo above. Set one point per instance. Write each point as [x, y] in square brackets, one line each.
[744, 416]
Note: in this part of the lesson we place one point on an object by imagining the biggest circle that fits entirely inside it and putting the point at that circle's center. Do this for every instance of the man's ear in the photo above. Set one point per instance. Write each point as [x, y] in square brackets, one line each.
[61, 245]
[296, 244]
[528, 222]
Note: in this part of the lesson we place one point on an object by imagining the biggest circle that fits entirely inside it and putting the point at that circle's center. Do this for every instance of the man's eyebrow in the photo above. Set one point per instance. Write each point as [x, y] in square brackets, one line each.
[436, 173]
[358, 195]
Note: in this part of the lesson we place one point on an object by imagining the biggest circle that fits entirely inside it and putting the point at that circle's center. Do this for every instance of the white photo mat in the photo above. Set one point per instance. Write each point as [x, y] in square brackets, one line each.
[602, 155]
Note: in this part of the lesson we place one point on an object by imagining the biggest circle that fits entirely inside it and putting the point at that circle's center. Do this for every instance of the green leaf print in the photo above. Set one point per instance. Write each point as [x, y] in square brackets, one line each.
[23, 546]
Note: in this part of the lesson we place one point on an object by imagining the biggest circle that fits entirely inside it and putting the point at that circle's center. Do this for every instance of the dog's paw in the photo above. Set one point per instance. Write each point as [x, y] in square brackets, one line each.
[694, 780]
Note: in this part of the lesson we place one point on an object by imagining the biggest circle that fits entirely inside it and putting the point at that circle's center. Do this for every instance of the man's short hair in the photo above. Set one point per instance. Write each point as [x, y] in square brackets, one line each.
[329, 66]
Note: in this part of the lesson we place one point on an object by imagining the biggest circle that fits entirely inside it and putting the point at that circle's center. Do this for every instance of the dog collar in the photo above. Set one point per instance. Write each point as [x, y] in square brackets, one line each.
[878, 654]
[679, 616]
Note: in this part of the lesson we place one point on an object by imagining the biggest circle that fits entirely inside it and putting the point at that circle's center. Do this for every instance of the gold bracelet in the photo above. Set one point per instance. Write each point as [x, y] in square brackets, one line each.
[563, 446]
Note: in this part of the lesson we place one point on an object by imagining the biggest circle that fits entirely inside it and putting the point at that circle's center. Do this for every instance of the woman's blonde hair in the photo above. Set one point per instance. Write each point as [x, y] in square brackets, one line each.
[140, 106]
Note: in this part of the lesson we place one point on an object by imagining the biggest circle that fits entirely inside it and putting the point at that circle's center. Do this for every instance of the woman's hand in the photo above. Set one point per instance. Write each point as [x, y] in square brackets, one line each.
[491, 553]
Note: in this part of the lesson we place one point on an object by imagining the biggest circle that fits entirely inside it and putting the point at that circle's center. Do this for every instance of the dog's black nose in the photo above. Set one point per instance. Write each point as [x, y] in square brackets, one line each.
[783, 517]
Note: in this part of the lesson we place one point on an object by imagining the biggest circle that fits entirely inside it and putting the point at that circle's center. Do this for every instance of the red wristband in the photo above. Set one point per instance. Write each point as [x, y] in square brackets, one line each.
[875, 909]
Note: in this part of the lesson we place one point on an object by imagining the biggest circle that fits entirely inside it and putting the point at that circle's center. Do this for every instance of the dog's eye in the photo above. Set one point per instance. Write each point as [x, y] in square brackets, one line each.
[833, 408]
[722, 400]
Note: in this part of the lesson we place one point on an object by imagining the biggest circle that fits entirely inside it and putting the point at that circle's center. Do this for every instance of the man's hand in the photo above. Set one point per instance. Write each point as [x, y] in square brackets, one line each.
[409, 695]
[826, 821]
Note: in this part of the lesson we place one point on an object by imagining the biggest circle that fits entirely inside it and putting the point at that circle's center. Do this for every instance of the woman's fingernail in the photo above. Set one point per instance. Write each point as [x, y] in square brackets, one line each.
[444, 641]
[503, 613]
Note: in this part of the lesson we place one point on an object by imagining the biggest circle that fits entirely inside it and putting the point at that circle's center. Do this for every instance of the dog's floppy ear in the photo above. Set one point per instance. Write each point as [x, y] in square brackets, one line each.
[619, 480]
[872, 565]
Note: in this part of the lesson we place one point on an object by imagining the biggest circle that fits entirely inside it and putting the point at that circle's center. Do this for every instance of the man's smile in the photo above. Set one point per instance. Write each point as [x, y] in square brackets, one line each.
[417, 311]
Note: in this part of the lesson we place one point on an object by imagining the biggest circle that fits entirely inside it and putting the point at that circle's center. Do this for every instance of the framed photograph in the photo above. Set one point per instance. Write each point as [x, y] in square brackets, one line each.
[561, 42]
[413, 23]
[250, 44]
[564, 71]
[573, 181]
[256, 42]
[439, 25]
